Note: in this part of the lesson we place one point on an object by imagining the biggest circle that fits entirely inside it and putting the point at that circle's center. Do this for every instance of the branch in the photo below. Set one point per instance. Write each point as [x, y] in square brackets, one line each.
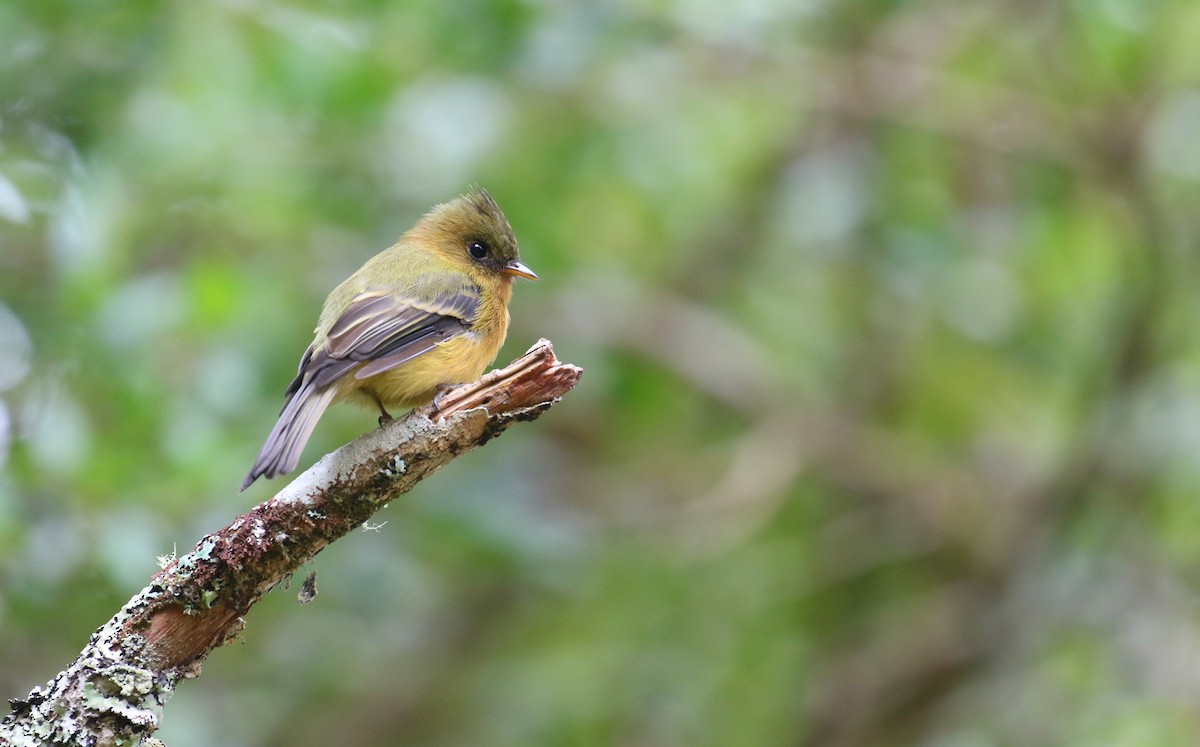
[115, 690]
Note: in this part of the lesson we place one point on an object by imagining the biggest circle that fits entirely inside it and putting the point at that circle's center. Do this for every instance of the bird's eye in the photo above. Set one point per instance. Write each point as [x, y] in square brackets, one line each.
[478, 249]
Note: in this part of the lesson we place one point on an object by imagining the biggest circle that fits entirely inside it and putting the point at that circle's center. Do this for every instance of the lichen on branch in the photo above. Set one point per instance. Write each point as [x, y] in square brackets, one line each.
[115, 691]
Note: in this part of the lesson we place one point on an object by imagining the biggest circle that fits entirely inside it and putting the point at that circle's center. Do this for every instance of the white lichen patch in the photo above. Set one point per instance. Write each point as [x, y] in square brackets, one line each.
[95, 693]
[124, 690]
[204, 550]
[396, 467]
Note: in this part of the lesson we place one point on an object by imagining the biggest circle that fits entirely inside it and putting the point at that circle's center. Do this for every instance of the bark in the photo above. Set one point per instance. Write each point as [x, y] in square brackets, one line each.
[114, 692]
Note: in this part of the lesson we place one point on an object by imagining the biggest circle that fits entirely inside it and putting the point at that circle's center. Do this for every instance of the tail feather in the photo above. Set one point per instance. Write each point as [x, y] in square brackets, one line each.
[296, 421]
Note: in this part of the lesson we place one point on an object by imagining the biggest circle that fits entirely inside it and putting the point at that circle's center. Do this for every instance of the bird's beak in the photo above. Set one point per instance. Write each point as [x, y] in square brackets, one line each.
[516, 269]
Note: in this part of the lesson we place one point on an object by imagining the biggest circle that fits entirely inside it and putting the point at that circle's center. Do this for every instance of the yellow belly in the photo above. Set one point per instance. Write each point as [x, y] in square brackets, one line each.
[458, 360]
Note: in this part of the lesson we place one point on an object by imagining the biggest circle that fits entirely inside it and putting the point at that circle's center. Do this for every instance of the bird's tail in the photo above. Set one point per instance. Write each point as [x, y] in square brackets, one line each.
[296, 421]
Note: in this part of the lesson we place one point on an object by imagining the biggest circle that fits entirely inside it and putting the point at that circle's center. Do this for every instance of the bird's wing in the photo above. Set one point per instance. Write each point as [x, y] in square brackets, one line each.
[384, 329]
[378, 331]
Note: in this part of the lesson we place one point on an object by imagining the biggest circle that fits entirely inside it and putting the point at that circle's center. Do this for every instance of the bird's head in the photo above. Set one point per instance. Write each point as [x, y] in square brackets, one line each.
[472, 230]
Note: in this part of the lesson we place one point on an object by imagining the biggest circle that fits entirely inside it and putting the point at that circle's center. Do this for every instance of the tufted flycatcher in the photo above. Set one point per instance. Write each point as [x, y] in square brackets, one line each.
[430, 310]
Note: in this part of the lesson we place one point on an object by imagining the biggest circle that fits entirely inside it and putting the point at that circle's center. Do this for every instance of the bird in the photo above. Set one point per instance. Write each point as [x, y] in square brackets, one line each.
[427, 312]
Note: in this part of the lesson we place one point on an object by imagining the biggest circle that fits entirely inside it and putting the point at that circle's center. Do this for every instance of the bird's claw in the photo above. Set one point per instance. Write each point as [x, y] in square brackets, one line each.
[441, 391]
[385, 417]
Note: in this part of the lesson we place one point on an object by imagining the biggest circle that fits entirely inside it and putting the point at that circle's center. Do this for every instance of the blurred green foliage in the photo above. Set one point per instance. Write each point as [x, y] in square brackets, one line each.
[888, 312]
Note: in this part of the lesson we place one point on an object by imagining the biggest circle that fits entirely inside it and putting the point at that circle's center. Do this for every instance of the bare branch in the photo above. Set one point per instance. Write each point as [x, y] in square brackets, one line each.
[115, 690]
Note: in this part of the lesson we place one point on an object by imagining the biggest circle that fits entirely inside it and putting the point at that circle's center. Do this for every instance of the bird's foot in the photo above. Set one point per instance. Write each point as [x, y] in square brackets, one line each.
[385, 417]
[441, 391]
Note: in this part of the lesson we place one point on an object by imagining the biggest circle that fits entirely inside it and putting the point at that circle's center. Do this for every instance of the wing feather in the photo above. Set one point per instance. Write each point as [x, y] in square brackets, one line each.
[378, 331]
[384, 330]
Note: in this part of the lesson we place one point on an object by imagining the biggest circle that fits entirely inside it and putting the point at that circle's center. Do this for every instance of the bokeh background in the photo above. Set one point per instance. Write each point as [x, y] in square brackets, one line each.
[889, 312]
